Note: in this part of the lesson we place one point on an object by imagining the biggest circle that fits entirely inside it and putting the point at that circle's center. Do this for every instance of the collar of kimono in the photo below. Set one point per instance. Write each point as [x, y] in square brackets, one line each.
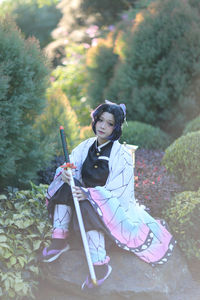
[101, 146]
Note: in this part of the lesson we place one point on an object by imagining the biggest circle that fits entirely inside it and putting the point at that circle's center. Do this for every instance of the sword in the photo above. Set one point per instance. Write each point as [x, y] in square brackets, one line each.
[78, 211]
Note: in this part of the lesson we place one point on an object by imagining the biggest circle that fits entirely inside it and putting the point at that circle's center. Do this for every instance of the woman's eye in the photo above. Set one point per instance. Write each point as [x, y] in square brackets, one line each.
[111, 124]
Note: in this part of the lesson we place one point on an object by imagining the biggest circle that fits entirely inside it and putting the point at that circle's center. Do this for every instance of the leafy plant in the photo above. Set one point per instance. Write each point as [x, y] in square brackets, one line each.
[107, 11]
[24, 230]
[71, 79]
[58, 112]
[37, 19]
[152, 73]
[86, 132]
[145, 135]
[182, 215]
[85, 17]
[193, 125]
[182, 159]
[23, 72]
[47, 174]
[100, 66]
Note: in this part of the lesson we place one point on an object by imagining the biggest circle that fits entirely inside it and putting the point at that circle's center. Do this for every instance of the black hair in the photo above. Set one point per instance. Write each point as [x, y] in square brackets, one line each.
[118, 114]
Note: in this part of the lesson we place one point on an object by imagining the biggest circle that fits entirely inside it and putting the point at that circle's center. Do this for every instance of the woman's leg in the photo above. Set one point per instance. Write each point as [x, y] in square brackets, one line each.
[59, 243]
[95, 236]
[60, 208]
[61, 221]
[96, 243]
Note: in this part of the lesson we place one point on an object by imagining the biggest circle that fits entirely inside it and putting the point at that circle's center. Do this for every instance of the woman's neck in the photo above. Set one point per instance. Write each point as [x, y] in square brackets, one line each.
[101, 142]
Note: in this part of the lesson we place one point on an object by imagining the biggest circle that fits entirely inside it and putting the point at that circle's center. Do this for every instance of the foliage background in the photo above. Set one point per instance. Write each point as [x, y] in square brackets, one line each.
[58, 112]
[156, 66]
[181, 159]
[34, 17]
[183, 216]
[71, 79]
[144, 53]
[24, 70]
[24, 231]
[145, 136]
[193, 125]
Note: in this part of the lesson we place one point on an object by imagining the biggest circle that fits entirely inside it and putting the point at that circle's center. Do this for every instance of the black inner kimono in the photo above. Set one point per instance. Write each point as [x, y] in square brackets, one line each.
[95, 171]
[95, 168]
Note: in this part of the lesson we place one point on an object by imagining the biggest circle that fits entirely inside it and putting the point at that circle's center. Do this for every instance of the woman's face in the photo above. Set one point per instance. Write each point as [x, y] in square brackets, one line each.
[104, 127]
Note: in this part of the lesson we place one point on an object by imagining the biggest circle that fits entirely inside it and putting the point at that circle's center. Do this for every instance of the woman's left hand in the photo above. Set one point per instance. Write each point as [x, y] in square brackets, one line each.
[78, 193]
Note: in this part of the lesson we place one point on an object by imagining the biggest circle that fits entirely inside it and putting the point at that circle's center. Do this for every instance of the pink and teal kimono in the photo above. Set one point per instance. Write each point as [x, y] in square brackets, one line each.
[129, 225]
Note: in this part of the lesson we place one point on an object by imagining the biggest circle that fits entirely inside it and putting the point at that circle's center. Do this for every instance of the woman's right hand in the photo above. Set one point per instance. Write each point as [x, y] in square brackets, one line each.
[66, 177]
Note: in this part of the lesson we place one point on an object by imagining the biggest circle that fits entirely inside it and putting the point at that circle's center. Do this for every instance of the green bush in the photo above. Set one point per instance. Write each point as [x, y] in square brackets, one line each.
[183, 218]
[88, 19]
[37, 20]
[144, 135]
[105, 59]
[86, 132]
[182, 159]
[100, 65]
[157, 69]
[193, 125]
[23, 73]
[24, 231]
[71, 79]
[107, 11]
[58, 112]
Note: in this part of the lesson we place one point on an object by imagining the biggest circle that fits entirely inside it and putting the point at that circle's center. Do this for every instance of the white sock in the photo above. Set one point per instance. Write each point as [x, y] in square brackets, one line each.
[61, 221]
[96, 243]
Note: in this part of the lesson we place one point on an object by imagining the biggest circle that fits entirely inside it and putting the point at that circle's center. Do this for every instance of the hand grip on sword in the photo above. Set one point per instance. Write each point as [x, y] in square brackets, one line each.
[77, 208]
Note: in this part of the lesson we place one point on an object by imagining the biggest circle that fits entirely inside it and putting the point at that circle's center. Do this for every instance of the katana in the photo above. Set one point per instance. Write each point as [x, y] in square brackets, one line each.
[78, 211]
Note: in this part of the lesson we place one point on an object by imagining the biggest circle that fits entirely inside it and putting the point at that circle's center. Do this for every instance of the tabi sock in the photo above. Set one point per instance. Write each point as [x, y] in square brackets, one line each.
[61, 221]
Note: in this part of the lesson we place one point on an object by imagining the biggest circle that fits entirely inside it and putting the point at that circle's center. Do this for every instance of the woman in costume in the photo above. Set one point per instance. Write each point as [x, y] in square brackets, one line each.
[104, 177]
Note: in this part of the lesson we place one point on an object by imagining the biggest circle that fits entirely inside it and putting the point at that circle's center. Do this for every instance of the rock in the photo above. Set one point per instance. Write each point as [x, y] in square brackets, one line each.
[131, 278]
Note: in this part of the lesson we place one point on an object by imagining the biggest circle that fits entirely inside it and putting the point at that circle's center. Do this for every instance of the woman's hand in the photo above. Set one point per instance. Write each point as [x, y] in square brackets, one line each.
[66, 177]
[78, 193]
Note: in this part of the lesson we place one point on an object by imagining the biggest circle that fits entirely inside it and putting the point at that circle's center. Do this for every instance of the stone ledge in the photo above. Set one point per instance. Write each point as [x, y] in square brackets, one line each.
[131, 278]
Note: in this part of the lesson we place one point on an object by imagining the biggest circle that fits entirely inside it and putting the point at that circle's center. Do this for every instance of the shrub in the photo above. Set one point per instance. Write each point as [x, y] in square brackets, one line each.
[58, 112]
[154, 76]
[47, 174]
[182, 159]
[24, 232]
[23, 73]
[35, 19]
[86, 132]
[144, 135]
[193, 125]
[71, 79]
[100, 66]
[106, 58]
[183, 218]
[86, 18]
[107, 11]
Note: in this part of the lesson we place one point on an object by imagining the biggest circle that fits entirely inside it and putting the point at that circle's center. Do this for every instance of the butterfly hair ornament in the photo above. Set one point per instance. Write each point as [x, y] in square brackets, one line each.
[123, 107]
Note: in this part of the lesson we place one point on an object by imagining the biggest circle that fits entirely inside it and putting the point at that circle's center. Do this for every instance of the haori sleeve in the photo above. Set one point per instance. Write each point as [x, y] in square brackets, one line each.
[119, 188]
[121, 180]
